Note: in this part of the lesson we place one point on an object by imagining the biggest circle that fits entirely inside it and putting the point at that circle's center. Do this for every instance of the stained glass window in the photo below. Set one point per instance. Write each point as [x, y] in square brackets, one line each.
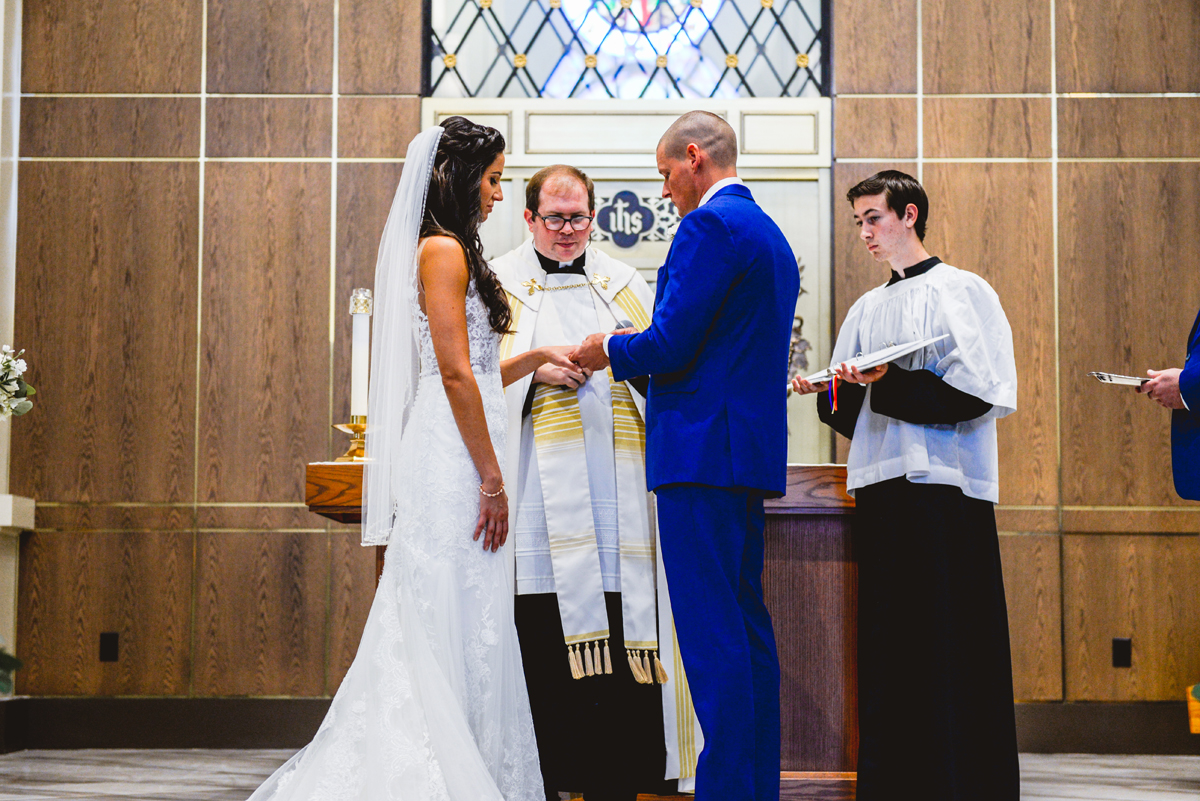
[628, 48]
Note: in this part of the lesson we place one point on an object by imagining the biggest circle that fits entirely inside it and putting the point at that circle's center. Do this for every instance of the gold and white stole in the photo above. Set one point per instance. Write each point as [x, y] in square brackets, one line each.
[562, 465]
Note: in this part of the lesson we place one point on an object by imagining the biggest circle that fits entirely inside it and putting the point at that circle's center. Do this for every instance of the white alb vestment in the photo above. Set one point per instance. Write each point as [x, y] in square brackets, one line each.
[595, 487]
[976, 358]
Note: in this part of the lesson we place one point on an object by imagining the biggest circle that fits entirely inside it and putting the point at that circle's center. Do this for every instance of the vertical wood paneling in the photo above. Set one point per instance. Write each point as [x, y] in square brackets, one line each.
[1128, 299]
[270, 127]
[264, 406]
[1033, 589]
[110, 127]
[876, 47]
[365, 193]
[1128, 46]
[995, 127]
[986, 46]
[75, 586]
[105, 306]
[261, 613]
[1129, 127]
[270, 46]
[379, 47]
[876, 127]
[810, 571]
[995, 220]
[1144, 588]
[94, 46]
[377, 127]
[351, 592]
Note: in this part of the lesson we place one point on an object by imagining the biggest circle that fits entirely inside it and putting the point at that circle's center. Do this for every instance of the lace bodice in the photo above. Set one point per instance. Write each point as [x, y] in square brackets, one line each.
[484, 342]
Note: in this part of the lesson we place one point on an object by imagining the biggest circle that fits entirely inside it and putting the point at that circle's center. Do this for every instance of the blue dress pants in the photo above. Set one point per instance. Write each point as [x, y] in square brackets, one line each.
[712, 547]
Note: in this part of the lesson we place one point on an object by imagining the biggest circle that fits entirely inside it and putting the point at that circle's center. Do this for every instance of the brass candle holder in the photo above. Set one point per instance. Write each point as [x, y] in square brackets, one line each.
[357, 429]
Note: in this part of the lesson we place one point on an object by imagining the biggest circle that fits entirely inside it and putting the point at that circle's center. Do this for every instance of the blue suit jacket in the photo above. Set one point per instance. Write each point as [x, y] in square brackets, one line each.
[717, 350]
[1185, 424]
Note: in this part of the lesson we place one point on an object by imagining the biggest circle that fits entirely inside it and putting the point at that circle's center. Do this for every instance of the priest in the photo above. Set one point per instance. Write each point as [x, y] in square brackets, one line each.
[610, 706]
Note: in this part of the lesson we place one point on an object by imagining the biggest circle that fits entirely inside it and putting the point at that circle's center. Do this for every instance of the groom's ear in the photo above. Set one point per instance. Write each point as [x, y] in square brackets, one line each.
[695, 156]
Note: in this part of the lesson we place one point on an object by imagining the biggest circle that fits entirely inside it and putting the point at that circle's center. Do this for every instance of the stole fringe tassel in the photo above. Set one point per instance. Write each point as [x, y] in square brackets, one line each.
[644, 665]
[635, 666]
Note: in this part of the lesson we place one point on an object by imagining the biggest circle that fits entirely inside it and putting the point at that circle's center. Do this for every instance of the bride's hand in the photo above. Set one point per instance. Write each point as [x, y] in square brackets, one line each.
[559, 356]
[493, 517]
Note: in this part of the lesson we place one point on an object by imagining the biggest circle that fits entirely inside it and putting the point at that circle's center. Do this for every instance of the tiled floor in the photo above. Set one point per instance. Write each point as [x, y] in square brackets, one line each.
[233, 775]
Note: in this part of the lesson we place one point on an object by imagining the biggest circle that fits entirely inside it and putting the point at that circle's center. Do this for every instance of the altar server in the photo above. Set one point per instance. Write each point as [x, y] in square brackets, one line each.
[610, 704]
[935, 674]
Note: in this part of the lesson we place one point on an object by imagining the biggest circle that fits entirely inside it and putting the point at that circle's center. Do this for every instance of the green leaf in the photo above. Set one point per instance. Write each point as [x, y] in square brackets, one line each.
[8, 662]
[29, 390]
[23, 406]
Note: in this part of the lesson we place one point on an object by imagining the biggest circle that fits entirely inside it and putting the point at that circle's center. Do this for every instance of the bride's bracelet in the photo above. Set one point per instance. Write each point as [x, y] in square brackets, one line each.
[495, 494]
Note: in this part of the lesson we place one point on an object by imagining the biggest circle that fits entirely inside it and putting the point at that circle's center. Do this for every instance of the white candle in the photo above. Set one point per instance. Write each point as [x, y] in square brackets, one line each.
[360, 351]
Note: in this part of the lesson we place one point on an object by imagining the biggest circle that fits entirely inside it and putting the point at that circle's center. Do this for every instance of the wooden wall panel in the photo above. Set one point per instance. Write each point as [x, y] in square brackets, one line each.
[261, 602]
[75, 586]
[264, 409]
[876, 127]
[379, 47]
[91, 46]
[1033, 589]
[995, 220]
[110, 127]
[1127, 302]
[1144, 588]
[291, 517]
[377, 127]
[986, 46]
[95, 517]
[875, 47]
[105, 303]
[270, 127]
[1129, 127]
[1128, 46]
[970, 127]
[365, 193]
[270, 46]
[351, 592]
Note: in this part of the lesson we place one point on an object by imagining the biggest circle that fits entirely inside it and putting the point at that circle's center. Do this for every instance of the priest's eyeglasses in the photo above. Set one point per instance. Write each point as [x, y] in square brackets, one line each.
[555, 222]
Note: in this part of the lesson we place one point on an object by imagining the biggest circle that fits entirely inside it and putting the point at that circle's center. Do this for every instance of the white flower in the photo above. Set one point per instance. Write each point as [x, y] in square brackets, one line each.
[20, 365]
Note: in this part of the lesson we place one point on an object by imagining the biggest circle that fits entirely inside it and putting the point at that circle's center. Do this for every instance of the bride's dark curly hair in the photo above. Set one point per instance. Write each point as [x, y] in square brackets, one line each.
[452, 207]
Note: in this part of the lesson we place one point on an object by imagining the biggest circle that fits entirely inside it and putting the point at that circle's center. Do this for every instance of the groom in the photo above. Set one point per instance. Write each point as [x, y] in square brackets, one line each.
[716, 443]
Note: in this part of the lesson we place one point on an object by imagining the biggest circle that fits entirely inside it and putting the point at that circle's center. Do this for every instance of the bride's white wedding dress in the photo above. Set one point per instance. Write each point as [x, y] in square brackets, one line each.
[434, 707]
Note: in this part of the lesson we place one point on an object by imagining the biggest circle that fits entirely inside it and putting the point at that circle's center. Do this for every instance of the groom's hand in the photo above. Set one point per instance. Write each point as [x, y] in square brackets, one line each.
[590, 353]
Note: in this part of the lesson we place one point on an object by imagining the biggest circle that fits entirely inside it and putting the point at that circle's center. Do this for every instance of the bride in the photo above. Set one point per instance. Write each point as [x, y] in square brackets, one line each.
[434, 706]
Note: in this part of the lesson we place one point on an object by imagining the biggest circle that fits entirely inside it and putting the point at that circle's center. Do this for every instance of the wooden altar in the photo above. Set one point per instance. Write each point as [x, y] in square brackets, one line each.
[810, 581]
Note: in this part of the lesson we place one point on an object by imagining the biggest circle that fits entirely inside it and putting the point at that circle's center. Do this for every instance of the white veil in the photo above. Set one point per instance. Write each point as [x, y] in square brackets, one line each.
[395, 362]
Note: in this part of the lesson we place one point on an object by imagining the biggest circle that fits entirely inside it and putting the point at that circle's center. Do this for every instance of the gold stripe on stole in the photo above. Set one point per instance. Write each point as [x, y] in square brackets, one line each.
[684, 714]
[506, 342]
[629, 304]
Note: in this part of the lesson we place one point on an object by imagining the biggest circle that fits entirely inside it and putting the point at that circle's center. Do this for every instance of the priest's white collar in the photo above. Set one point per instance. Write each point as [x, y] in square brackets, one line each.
[718, 186]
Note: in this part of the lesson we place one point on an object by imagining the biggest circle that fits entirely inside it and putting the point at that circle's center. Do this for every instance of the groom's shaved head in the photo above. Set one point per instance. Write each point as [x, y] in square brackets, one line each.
[706, 131]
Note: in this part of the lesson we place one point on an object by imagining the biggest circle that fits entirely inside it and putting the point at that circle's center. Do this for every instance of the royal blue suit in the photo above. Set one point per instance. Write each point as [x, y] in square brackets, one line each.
[1185, 423]
[716, 445]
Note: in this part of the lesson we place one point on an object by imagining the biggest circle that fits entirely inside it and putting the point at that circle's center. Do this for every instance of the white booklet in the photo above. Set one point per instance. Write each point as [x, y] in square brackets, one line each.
[882, 356]
[1123, 380]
